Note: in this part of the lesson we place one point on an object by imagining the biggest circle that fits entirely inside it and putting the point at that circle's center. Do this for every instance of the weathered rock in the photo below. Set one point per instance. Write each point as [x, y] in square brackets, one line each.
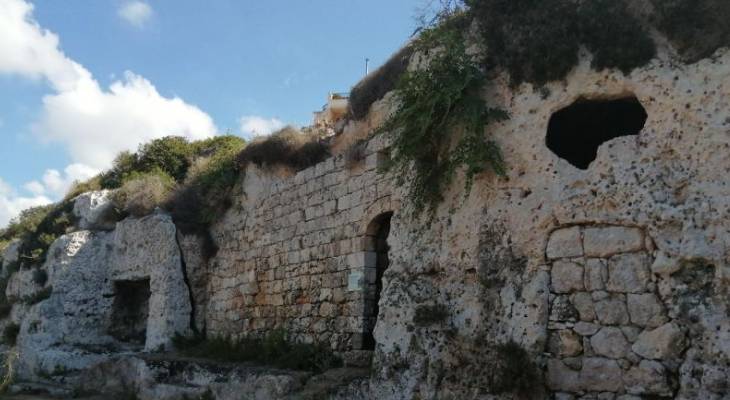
[610, 342]
[9, 256]
[664, 264]
[567, 277]
[628, 273]
[607, 241]
[648, 378]
[583, 303]
[646, 310]
[565, 243]
[565, 343]
[95, 210]
[562, 378]
[612, 311]
[601, 375]
[666, 342]
[596, 274]
[562, 309]
[586, 329]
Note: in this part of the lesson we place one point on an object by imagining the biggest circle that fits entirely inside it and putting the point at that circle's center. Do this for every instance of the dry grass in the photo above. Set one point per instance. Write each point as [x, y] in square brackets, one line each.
[140, 195]
[289, 147]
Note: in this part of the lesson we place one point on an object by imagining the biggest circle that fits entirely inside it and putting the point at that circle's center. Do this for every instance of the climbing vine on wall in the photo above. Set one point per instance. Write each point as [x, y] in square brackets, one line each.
[438, 126]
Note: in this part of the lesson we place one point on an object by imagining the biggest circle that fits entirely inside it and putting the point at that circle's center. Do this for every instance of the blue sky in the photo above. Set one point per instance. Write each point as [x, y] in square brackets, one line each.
[81, 80]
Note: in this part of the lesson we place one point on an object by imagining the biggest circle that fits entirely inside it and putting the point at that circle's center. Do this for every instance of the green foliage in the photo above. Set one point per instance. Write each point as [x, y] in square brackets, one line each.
[697, 28]
[517, 372]
[57, 221]
[289, 147]
[206, 192]
[537, 41]
[274, 349]
[26, 223]
[10, 334]
[440, 121]
[171, 155]
[38, 296]
[427, 315]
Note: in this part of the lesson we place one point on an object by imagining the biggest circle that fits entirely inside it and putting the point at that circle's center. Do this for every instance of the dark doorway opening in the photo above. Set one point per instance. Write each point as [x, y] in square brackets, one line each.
[130, 310]
[575, 132]
[376, 242]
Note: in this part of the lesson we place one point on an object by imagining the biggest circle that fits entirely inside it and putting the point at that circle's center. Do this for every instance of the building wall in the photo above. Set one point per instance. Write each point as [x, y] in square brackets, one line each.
[293, 253]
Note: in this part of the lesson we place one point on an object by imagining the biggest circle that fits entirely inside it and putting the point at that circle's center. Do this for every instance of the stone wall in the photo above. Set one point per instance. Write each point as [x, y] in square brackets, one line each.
[293, 253]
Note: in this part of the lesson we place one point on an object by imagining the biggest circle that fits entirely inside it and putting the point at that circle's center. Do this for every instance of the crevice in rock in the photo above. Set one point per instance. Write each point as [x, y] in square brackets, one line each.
[186, 279]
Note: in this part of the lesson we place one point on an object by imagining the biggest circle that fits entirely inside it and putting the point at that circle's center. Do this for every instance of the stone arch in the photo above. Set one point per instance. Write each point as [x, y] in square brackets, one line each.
[377, 260]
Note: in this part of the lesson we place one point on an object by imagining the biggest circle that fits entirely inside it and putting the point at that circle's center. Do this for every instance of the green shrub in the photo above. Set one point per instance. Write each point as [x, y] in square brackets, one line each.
[57, 220]
[143, 192]
[206, 192]
[379, 82]
[288, 147]
[170, 154]
[26, 223]
[10, 334]
[439, 125]
[273, 349]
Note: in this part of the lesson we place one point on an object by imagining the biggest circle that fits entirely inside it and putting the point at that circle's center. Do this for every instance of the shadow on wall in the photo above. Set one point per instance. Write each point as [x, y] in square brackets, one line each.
[376, 242]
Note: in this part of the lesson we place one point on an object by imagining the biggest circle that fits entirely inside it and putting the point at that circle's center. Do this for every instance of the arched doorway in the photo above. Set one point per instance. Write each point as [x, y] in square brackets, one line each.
[376, 241]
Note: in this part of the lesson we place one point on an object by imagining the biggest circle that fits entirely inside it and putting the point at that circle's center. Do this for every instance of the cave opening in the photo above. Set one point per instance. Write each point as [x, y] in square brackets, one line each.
[576, 132]
[377, 245]
[130, 310]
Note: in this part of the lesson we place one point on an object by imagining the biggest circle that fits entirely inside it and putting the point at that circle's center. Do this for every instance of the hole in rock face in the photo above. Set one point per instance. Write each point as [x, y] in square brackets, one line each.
[575, 132]
[130, 310]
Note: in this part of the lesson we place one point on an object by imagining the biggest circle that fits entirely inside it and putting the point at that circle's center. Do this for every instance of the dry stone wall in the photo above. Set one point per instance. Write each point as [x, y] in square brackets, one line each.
[294, 253]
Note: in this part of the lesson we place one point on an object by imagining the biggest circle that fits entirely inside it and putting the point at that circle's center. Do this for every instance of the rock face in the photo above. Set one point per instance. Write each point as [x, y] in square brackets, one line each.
[89, 273]
[95, 210]
[609, 282]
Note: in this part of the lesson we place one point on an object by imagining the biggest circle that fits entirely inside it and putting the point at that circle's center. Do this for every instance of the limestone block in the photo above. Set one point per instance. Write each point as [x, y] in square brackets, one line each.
[612, 311]
[596, 274]
[601, 375]
[561, 377]
[646, 310]
[607, 241]
[586, 328]
[663, 343]
[628, 273]
[565, 243]
[648, 378]
[566, 277]
[610, 342]
[565, 343]
[583, 303]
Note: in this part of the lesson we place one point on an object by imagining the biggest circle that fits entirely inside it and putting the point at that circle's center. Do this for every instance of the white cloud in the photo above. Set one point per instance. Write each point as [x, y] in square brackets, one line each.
[137, 13]
[56, 184]
[11, 204]
[90, 122]
[252, 125]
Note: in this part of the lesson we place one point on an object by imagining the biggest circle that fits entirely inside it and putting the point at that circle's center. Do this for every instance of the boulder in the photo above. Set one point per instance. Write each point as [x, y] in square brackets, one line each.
[95, 210]
[666, 342]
